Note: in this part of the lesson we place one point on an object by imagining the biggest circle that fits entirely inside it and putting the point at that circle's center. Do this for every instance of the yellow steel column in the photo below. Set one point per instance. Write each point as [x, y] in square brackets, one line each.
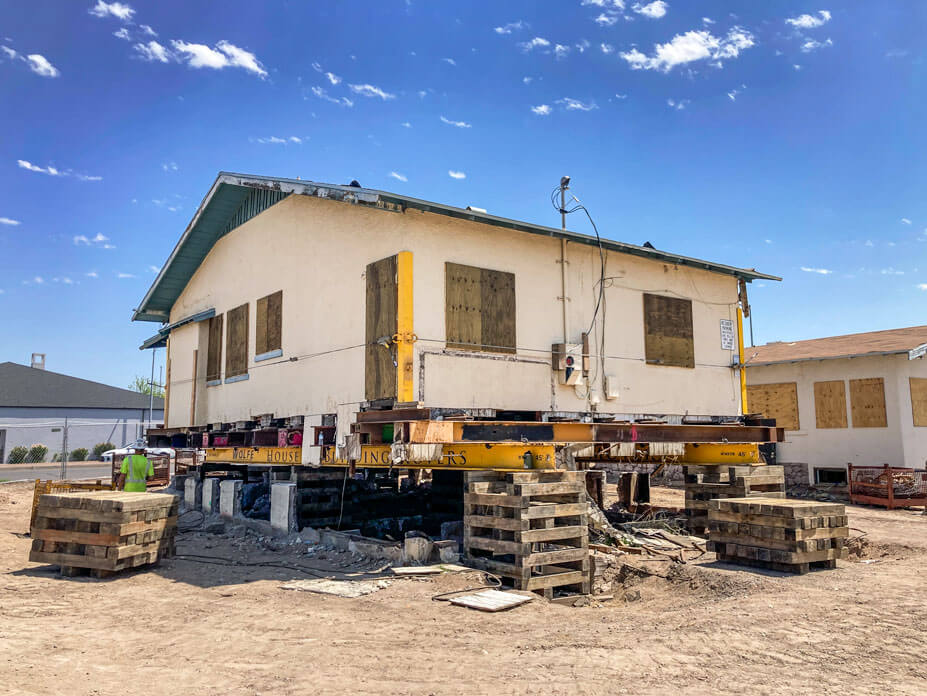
[405, 336]
[743, 370]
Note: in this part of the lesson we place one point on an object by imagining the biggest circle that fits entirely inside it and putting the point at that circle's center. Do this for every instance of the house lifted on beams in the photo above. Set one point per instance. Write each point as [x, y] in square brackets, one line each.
[311, 324]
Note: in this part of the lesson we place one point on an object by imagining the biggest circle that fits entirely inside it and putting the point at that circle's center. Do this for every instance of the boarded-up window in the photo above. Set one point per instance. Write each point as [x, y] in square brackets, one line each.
[236, 342]
[919, 400]
[830, 404]
[867, 403]
[479, 309]
[668, 331]
[382, 322]
[268, 323]
[779, 401]
[214, 350]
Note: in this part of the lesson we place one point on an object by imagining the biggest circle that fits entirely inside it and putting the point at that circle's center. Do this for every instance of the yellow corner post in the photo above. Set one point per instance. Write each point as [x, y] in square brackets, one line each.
[405, 336]
[743, 369]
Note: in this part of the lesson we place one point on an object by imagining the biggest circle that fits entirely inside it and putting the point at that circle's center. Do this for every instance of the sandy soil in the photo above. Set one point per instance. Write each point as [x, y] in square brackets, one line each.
[705, 628]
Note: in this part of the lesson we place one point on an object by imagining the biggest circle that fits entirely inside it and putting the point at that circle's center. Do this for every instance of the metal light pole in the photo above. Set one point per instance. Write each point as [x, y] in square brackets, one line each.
[64, 450]
[151, 387]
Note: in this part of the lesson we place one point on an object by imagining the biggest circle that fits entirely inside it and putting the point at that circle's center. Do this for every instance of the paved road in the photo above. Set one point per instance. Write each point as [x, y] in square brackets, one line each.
[90, 470]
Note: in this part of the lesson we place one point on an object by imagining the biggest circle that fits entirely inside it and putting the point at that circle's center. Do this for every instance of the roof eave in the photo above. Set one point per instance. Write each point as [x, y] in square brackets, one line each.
[874, 354]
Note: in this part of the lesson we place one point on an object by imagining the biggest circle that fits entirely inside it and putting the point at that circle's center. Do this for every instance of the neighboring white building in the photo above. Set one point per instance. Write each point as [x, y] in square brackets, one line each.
[859, 399]
[35, 404]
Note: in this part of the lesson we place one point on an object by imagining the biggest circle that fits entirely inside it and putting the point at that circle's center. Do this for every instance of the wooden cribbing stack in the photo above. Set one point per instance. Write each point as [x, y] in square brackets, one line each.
[529, 527]
[707, 482]
[787, 535]
[103, 532]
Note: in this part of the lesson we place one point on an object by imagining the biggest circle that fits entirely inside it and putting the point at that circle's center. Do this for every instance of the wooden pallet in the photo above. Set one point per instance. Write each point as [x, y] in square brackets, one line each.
[103, 532]
[530, 528]
[707, 482]
[786, 535]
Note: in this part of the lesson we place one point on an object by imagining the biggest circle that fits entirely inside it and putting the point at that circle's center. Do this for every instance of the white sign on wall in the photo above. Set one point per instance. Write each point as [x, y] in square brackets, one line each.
[727, 334]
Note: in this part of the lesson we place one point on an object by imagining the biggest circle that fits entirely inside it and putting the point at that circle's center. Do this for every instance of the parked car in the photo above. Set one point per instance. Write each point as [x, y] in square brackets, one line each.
[108, 455]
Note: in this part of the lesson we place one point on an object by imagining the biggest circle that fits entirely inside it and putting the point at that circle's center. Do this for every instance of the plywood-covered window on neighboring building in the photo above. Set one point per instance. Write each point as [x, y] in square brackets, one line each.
[236, 343]
[918, 387]
[668, 338]
[479, 309]
[867, 403]
[268, 326]
[830, 404]
[779, 401]
[214, 350]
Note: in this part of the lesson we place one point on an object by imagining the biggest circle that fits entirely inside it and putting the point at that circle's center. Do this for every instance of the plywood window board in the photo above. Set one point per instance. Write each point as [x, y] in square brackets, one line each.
[779, 401]
[668, 337]
[479, 309]
[867, 402]
[236, 342]
[830, 404]
[214, 350]
[918, 386]
[382, 312]
[268, 323]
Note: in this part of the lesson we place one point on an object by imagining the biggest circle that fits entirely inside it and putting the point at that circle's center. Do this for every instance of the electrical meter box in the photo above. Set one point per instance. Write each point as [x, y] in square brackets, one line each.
[567, 362]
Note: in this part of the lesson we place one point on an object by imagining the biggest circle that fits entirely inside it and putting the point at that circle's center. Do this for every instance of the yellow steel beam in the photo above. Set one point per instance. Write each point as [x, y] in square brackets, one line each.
[721, 454]
[405, 335]
[284, 456]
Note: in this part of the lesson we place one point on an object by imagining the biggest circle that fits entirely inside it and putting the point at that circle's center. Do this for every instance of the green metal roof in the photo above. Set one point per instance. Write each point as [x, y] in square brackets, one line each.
[235, 198]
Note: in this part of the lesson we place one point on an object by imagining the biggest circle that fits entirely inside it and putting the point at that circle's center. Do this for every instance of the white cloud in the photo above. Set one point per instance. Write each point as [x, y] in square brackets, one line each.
[9, 221]
[707, 20]
[690, 47]
[576, 104]
[621, 96]
[536, 42]
[40, 66]
[654, 10]
[456, 124]
[122, 33]
[922, 286]
[405, 124]
[868, 243]
[812, 45]
[541, 109]
[330, 76]
[366, 90]
[295, 139]
[449, 61]
[100, 237]
[807, 21]
[527, 80]
[612, 4]
[224, 55]
[38, 280]
[582, 45]
[821, 271]
[891, 271]
[274, 140]
[108, 246]
[796, 66]
[510, 27]
[51, 171]
[768, 241]
[65, 280]
[561, 51]
[114, 9]
[678, 104]
[153, 51]
[606, 48]
[124, 275]
[905, 221]
[169, 166]
[148, 31]
[732, 95]
[322, 94]
[87, 177]
[10, 53]
[605, 20]
[81, 239]
[398, 176]
[456, 175]
[154, 269]
[92, 274]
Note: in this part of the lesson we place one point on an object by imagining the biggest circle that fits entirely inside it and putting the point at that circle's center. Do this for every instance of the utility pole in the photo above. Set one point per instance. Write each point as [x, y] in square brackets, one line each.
[151, 387]
[64, 450]
[564, 185]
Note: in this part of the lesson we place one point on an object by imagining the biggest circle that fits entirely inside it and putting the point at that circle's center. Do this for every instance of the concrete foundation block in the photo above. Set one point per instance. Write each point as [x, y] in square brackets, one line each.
[283, 507]
[417, 549]
[179, 483]
[193, 494]
[447, 551]
[230, 499]
[211, 496]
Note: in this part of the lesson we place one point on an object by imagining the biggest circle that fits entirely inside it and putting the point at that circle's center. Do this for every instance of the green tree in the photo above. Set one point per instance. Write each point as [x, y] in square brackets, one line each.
[141, 385]
[101, 447]
[79, 454]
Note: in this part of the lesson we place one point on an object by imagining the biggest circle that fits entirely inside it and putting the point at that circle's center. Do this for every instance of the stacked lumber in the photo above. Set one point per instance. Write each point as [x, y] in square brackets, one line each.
[530, 527]
[706, 482]
[787, 535]
[104, 532]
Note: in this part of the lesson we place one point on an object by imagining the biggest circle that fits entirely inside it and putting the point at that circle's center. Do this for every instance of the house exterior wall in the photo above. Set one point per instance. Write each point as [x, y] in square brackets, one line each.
[317, 251]
[86, 427]
[898, 444]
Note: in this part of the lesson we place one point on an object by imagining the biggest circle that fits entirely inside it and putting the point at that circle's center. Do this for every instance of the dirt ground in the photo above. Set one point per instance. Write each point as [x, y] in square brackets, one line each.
[705, 628]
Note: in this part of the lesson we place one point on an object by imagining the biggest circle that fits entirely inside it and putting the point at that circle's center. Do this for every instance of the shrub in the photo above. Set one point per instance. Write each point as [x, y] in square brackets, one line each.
[56, 457]
[37, 454]
[79, 454]
[101, 447]
[18, 455]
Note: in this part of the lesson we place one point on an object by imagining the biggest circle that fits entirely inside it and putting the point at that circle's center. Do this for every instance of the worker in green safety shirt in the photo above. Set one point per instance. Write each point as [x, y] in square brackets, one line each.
[136, 470]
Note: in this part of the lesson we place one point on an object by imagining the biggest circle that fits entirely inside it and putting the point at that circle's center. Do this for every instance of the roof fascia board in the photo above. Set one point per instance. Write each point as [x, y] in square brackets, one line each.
[876, 354]
[160, 338]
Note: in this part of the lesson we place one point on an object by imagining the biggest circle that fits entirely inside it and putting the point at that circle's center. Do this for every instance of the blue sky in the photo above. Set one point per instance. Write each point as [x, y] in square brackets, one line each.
[785, 136]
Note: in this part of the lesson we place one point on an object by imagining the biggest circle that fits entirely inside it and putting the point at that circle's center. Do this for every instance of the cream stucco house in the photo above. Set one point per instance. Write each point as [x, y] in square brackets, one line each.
[293, 298]
[859, 399]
